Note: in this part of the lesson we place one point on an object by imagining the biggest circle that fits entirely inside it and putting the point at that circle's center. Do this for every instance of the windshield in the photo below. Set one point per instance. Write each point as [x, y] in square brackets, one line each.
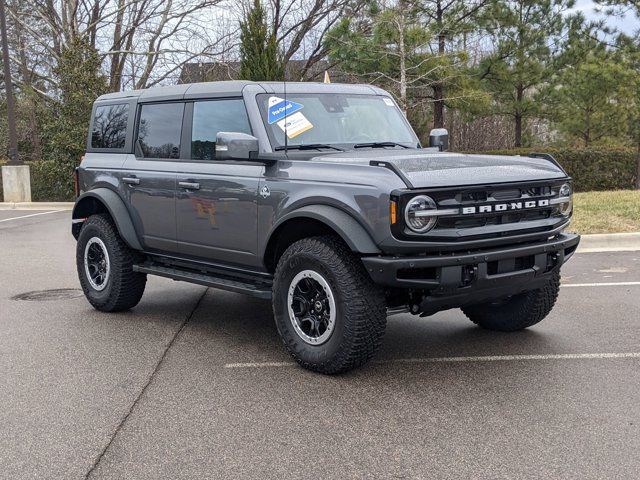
[338, 120]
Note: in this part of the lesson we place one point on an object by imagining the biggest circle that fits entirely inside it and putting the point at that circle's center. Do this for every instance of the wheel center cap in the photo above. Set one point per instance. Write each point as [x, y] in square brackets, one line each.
[318, 306]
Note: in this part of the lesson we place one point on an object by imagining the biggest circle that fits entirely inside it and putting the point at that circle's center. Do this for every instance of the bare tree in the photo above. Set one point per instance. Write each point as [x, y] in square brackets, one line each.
[301, 27]
[143, 42]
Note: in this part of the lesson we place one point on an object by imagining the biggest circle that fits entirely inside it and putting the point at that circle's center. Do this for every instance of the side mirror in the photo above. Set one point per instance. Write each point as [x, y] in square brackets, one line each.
[236, 146]
[439, 138]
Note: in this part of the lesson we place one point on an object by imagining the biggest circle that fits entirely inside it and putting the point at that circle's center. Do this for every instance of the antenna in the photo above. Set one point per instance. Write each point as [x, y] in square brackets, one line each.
[284, 87]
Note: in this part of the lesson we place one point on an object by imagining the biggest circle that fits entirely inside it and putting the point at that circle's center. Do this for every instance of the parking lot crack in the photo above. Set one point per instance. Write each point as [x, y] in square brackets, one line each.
[150, 379]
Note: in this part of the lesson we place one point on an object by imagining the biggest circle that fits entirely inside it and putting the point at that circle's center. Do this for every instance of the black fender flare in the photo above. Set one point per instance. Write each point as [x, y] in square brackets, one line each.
[116, 208]
[349, 229]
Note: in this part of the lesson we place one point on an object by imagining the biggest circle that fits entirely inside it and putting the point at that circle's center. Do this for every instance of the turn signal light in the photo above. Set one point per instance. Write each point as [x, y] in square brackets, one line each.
[393, 211]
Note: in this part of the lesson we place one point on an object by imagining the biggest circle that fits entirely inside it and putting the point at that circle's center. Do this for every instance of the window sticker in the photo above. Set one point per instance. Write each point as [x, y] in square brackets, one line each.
[388, 102]
[277, 109]
[295, 124]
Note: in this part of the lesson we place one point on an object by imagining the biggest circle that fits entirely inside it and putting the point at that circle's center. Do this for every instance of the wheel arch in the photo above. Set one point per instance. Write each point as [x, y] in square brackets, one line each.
[314, 220]
[104, 200]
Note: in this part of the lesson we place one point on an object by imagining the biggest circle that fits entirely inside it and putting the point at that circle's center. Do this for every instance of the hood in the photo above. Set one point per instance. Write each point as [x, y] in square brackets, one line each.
[424, 169]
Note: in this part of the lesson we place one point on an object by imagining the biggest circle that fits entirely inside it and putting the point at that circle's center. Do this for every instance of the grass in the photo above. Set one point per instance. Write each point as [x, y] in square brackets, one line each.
[606, 212]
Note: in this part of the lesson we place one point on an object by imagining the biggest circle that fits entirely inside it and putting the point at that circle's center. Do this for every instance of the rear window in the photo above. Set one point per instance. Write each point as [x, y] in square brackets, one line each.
[110, 126]
[159, 130]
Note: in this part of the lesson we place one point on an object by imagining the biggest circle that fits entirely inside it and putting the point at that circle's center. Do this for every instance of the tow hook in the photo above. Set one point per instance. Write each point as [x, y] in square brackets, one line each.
[469, 273]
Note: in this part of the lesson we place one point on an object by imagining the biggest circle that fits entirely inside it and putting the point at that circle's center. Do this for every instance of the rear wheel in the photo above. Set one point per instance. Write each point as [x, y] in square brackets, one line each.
[517, 312]
[105, 267]
[330, 315]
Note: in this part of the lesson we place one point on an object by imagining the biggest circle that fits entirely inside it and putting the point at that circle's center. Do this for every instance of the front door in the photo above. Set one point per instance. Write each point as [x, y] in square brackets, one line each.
[149, 176]
[216, 201]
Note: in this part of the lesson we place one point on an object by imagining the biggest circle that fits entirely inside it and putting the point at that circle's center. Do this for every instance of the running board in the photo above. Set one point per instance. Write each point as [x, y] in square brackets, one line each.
[260, 288]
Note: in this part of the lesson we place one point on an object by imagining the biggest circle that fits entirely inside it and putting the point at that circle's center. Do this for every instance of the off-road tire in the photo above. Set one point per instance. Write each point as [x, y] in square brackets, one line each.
[519, 312]
[124, 287]
[360, 305]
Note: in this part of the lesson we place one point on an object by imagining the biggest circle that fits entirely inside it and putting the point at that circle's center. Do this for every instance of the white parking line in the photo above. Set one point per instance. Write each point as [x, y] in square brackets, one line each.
[260, 365]
[31, 215]
[602, 284]
[488, 358]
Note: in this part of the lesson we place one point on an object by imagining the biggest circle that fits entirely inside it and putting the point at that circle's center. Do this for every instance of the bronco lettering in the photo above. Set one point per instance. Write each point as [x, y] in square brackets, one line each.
[502, 207]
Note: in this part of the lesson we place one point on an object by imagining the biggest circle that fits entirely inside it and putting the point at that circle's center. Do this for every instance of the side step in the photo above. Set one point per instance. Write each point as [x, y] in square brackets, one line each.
[261, 288]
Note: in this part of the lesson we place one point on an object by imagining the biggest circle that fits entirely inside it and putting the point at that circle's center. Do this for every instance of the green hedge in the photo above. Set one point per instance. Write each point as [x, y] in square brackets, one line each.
[50, 181]
[591, 168]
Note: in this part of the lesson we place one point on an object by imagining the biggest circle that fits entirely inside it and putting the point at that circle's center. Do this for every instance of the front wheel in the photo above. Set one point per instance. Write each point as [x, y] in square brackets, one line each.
[517, 312]
[105, 267]
[330, 315]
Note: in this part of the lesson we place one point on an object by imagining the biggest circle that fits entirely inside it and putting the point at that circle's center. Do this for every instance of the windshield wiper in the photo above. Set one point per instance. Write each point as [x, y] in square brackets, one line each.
[379, 145]
[308, 146]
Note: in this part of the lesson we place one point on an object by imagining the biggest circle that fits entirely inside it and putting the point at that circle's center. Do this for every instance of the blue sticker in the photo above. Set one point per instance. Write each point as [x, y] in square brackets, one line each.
[278, 109]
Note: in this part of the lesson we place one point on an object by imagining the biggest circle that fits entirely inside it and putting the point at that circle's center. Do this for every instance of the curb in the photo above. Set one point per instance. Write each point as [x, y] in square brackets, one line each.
[36, 205]
[610, 242]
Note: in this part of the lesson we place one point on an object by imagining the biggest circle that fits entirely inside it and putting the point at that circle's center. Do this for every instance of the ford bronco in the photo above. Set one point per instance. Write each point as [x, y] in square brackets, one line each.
[320, 198]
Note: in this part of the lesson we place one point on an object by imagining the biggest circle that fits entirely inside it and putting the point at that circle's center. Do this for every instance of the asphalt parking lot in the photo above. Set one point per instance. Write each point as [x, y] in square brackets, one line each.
[194, 383]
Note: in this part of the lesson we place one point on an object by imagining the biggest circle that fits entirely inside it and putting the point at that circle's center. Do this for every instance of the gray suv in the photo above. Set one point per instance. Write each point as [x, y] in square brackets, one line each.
[320, 198]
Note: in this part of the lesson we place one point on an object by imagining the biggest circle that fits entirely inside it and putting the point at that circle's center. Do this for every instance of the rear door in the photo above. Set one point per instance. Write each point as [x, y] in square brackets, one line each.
[150, 174]
[216, 201]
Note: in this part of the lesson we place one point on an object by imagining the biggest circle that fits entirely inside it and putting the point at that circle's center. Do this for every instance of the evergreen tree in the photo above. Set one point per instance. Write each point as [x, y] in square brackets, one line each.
[387, 47]
[526, 34]
[393, 47]
[630, 52]
[80, 81]
[593, 99]
[448, 20]
[621, 6]
[260, 58]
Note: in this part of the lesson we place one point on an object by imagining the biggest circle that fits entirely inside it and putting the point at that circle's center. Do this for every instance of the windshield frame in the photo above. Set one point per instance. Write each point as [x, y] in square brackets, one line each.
[277, 147]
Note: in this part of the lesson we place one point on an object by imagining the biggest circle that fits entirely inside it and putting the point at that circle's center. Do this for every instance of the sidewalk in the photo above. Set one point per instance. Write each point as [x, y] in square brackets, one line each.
[36, 205]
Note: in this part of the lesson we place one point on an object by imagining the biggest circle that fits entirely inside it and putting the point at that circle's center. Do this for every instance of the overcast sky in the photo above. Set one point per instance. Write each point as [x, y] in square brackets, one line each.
[629, 24]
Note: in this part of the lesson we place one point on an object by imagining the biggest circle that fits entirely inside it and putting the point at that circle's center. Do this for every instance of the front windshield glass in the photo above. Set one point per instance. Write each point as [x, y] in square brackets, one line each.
[341, 120]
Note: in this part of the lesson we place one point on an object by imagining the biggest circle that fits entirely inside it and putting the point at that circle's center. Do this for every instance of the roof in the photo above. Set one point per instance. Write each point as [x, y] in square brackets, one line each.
[235, 88]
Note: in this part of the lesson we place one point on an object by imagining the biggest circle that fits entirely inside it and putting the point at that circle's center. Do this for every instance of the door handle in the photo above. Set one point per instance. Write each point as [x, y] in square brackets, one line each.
[189, 185]
[131, 180]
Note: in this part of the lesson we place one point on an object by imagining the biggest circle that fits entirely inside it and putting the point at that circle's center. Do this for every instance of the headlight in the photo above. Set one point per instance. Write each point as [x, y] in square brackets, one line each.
[566, 197]
[419, 214]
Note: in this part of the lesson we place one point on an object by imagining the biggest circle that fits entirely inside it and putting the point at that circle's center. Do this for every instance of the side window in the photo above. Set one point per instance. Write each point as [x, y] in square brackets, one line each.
[211, 117]
[159, 130]
[110, 126]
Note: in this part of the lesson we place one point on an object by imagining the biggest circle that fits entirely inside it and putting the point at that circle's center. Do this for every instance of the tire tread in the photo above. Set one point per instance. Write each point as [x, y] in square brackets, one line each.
[127, 286]
[518, 313]
[365, 310]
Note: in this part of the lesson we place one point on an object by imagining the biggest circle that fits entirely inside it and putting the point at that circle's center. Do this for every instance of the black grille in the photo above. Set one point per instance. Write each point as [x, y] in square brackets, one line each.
[494, 219]
[457, 228]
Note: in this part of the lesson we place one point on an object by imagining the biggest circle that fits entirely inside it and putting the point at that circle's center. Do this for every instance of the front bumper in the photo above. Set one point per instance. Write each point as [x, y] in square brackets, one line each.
[456, 279]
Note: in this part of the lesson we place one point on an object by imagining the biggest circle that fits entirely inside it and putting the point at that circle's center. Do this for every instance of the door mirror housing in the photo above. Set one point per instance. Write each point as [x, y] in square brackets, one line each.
[236, 146]
[439, 138]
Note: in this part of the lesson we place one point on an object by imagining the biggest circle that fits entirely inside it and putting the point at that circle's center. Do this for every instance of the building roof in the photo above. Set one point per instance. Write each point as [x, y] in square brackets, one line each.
[295, 71]
[235, 88]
